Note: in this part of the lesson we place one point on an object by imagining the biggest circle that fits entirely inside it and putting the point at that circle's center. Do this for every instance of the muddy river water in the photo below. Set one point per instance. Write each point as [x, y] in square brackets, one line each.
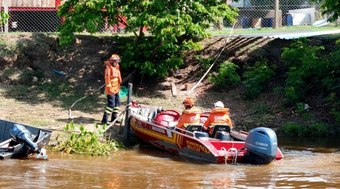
[304, 166]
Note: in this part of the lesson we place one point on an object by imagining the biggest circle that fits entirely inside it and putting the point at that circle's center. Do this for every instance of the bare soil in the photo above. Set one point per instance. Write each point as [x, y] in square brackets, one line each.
[80, 66]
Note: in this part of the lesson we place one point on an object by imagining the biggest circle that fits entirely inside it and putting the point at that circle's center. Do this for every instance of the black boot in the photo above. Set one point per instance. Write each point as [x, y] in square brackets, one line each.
[104, 120]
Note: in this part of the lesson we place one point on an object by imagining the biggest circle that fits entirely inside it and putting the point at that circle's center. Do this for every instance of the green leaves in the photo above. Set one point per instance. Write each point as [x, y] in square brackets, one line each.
[3, 19]
[304, 65]
[256, 79]
[86, 142]
[310, 70]
[170, 25]
[330, 8]
[314, 129]
[227, 76]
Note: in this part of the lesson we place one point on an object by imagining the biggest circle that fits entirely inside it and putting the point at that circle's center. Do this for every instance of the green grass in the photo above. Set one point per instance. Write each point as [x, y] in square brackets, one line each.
[213, 32]
[226, 31]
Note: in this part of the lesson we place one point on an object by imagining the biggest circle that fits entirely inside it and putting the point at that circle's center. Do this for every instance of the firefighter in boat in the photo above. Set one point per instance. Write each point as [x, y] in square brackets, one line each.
[190, 114]
[218, 115]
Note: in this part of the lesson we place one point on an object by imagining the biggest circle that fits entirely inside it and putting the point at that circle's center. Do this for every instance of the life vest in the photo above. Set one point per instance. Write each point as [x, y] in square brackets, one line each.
[218, 116]
[112, 80]
[189, 117]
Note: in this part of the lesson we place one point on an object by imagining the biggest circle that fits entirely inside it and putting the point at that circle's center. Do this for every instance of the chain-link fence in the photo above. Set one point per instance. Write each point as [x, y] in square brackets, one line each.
[31, 15]
[41, 15]
[33, 21]
[265, 13]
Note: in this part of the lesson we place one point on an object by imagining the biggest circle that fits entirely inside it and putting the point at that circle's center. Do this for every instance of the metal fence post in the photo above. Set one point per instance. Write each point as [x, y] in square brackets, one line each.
[277, 17]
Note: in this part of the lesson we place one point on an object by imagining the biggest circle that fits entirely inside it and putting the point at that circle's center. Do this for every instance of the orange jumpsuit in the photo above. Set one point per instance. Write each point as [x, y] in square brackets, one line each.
[189, 117]
[218, 116]
[112, 87]
[112, 79]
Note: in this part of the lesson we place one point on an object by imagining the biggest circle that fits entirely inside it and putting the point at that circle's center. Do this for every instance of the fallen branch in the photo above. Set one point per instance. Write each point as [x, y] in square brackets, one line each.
[173, 89]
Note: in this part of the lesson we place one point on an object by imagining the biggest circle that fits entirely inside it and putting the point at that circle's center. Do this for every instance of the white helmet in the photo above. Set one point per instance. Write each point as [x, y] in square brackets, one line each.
[218, 104]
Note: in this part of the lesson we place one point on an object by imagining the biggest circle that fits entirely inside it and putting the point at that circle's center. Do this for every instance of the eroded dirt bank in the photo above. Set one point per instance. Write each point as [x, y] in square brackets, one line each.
[40, 80]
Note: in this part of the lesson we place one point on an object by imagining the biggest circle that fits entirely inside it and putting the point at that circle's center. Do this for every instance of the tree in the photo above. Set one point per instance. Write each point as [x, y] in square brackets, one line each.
[3, 20]
[330, 7]
[172, 27]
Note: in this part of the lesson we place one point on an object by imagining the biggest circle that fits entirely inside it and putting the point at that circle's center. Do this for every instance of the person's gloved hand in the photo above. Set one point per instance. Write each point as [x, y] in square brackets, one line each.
[112, 91]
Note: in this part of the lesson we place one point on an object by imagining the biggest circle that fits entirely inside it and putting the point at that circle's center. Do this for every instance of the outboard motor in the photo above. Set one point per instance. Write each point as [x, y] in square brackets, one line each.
[21, 134]
[261, 144]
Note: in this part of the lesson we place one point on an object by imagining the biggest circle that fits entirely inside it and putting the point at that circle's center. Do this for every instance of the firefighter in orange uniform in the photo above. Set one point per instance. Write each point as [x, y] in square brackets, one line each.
[190, 114]
[218, 115]
[113, 80]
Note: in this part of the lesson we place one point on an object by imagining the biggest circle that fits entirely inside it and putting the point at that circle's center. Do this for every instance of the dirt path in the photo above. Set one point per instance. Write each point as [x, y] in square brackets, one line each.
[41, 114]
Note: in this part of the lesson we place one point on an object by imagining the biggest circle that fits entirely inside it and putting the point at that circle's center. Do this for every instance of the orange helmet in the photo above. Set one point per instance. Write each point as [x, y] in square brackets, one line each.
[188, 101]
[115, 57]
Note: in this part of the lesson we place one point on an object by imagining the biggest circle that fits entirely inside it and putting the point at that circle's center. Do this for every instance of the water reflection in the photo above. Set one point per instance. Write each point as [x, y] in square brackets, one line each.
[145, 167]
[314, 144]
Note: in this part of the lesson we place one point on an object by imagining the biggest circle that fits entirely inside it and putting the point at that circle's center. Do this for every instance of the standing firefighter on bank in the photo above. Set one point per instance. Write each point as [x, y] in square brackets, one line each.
[113, 80]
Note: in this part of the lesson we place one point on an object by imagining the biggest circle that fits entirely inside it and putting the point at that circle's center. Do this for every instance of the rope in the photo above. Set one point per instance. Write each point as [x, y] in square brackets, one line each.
[120, 125]
[114, 121]
[225, 155]
[234, 152]
[218, 55]
[231, 151]
[82, 98]
[61, 130]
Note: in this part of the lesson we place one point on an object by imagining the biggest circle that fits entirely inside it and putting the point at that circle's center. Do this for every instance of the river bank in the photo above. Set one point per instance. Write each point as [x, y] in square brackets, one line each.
[41, 80]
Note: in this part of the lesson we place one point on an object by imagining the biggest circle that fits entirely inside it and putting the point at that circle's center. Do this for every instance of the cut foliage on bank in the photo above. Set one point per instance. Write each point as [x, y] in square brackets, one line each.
[86, 142]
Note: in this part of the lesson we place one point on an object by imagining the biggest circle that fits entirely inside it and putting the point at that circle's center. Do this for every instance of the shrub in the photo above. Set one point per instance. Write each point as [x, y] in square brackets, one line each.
[256, 78]
[313, 130]
[304, 66]
[318, 130]
[226, 76]
[292, 129]
[312, 71]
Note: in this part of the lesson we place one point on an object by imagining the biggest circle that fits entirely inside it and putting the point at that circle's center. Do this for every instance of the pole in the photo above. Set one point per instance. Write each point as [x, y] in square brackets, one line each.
[127, 114]
[5, 5]
[277, 6]
[1, 5]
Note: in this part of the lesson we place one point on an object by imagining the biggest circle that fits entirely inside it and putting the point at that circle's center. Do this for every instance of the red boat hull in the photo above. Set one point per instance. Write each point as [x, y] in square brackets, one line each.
[186, 144]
